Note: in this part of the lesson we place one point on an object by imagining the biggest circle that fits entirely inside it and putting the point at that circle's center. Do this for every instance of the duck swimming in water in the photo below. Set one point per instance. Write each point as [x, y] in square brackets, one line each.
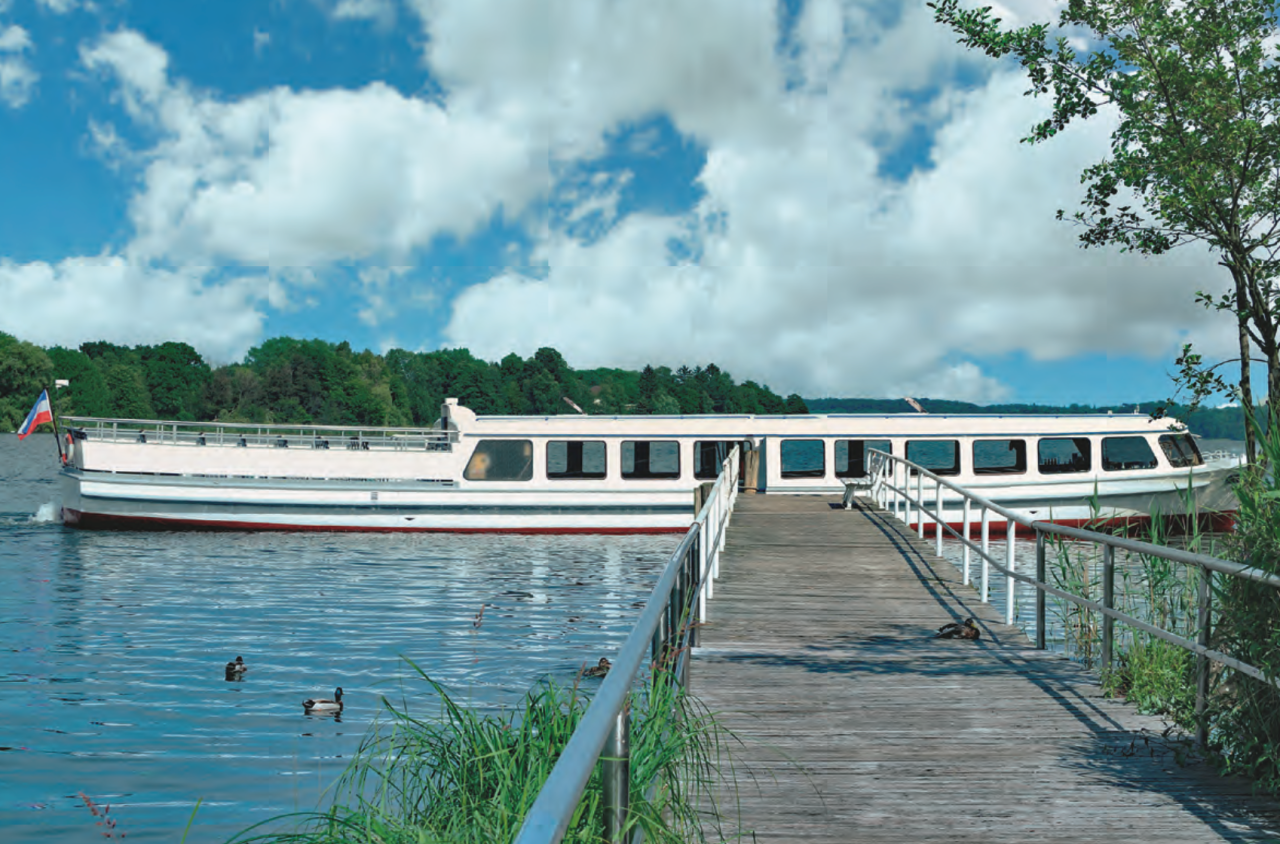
[598, 670]
[323, 706]
[959, 630]
[236, 669]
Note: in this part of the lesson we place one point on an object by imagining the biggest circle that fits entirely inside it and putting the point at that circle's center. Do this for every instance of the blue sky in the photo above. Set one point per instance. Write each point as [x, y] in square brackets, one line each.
[826, 196]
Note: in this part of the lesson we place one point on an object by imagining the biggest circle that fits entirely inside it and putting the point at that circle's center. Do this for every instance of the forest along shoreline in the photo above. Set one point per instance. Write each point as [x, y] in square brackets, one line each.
[289, 381]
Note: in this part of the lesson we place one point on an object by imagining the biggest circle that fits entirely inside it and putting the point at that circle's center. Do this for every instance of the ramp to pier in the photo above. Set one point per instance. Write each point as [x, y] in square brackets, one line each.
[858, 726]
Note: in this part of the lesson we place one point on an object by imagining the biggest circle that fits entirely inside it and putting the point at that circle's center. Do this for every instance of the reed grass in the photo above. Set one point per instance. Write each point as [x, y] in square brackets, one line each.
[1244, 712]
[468, 776]
[1242, 717]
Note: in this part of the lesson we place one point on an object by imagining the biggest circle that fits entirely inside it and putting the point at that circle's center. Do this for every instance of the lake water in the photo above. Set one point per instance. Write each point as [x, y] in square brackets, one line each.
[112, 646]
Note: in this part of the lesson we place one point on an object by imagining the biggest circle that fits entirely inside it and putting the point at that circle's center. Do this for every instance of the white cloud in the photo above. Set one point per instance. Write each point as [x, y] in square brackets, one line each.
[140, 65]
[285, 178]
[109, 298]
[58, 7]
[381, 11]
[567, 72]
[17, 77]
[803, 266]
[815, 273]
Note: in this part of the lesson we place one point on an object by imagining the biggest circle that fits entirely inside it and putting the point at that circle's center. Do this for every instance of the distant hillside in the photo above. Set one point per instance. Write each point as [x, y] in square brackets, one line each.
[1225, 423]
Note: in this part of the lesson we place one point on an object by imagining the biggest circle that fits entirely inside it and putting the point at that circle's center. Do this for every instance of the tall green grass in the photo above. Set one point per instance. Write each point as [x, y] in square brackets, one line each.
[468, 776]
[1146, 586]
[1243, 714]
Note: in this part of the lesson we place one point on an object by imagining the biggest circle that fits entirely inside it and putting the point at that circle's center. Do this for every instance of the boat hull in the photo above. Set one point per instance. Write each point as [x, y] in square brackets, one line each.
[146, 503]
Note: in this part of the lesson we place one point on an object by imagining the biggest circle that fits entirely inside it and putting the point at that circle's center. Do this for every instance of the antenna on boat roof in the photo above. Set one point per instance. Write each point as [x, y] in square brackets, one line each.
[572, 404]
[914, 404]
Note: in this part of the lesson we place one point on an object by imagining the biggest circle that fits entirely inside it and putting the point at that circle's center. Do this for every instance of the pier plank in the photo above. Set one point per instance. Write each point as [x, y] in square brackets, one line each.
[857, 726]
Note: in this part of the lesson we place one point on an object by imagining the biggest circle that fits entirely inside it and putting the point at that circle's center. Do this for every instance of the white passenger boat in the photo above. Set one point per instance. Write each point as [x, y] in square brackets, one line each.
[603, 474]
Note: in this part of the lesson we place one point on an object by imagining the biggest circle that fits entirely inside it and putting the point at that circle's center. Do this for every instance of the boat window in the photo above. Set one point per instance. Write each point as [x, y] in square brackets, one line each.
[1060, 456]
[709, 456]
[651, 459]
[1181, 450]
[852, 456]
[999, 457]
[570, 459]
[803, 459]
[1127, 453]
[942, 457]
[500, 460]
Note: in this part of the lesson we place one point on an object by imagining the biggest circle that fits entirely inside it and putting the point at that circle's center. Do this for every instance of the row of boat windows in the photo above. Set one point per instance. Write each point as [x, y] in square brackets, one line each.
[512, 460]
[1054, 455]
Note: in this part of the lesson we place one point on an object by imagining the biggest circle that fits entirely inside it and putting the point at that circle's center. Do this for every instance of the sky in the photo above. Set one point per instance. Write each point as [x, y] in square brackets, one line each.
[825, 196]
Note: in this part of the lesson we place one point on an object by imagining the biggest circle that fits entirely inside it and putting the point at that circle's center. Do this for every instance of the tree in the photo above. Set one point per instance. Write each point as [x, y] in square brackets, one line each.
[87, 393]
[25, 370]
[648, 390]
[176, 377]
[1196, 87]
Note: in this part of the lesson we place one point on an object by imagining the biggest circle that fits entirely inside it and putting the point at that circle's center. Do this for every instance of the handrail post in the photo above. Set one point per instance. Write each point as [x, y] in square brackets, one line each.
[704, 583]
[919, 504]
[1040, 576]
[1010, 585]
[1202, 661]
[938, 523]
[906, 497]
[966, 540]
[897, 491]
[1108, 601]
[986, 555]
[615, 762]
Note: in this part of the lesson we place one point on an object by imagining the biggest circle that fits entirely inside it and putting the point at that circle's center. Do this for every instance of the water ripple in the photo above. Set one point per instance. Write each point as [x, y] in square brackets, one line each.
[112, 679]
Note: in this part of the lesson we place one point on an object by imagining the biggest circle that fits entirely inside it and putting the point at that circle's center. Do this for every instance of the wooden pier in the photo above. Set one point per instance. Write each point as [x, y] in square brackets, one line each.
[857, 726]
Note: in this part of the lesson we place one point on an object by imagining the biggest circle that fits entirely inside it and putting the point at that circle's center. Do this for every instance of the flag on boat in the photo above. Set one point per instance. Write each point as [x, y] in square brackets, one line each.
[39, 414]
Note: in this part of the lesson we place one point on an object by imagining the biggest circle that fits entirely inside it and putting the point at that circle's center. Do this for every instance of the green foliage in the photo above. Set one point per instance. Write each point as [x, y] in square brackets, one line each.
[176, 376]
[87, 394]
[1245, 713]
[1158, 678]
[25, 370]
[312, 381]
[467, 776]
[1196, 87]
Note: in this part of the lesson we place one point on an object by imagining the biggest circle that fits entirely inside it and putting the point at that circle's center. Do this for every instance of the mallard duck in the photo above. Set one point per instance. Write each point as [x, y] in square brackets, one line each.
[236, 668]
[323, 705]
[959, 630]
[599, 669]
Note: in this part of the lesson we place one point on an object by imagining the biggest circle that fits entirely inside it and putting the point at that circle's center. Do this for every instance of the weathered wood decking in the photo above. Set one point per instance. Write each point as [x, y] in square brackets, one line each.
[857, 726]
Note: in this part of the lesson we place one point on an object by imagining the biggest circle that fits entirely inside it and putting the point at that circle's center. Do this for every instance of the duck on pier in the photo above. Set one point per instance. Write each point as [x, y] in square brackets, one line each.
[599, 669]
[235, 669]
[959, 630]
[323, 706]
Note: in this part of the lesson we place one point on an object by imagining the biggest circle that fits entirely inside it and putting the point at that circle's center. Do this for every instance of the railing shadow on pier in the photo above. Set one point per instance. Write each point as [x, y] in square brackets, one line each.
[1109, 749]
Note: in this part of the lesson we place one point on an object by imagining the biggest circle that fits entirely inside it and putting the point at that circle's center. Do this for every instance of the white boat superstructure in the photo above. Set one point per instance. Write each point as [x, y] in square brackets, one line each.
[602, 474]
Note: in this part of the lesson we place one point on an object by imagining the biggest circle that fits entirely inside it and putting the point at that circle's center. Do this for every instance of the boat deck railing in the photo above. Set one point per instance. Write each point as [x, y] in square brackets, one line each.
[889, 484]
[662, 638]
[251, 435]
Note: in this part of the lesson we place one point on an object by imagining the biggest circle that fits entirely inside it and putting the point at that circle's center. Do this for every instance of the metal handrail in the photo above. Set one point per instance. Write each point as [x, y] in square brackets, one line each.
[890, 495]
[252, 434]
[664, 628]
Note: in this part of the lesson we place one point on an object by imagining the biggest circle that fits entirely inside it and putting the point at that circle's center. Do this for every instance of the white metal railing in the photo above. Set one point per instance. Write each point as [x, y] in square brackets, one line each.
[665, 632]
[254, 435]
[889, 485]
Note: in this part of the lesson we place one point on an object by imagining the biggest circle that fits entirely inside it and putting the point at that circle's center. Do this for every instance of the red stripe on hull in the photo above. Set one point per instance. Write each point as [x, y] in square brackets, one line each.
[101, 521]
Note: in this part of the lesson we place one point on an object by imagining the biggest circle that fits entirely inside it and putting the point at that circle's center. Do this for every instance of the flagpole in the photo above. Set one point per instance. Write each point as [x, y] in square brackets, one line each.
[57, 435]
